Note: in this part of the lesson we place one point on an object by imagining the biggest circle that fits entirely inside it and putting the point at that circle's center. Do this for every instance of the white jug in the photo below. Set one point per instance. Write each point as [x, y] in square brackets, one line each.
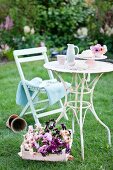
[71, 54]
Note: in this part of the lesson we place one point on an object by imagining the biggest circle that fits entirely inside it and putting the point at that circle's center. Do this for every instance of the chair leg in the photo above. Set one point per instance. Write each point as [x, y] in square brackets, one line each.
[64, 112]
[24, 110]
[34, 112]
[31, 104]
[27, 105]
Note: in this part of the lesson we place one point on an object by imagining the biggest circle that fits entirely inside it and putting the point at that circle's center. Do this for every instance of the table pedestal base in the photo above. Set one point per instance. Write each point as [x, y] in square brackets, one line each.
[81, 87]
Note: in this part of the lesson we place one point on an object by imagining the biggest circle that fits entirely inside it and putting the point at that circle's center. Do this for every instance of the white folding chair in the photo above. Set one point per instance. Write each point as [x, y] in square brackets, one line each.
[28, 55]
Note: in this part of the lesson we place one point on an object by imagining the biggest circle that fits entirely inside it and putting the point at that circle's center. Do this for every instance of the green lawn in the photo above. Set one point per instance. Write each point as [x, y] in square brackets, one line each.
[98, 155]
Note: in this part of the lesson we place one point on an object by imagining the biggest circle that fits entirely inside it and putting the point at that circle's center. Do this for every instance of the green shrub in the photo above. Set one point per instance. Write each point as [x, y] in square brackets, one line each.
[57, 23]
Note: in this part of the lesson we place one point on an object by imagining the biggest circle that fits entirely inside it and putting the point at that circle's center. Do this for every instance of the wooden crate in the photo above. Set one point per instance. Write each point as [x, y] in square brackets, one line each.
[38, 156]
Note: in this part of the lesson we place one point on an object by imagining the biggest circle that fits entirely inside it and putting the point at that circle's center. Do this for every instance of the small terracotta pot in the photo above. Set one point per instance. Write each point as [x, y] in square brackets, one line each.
[15, 123]
[10, 119]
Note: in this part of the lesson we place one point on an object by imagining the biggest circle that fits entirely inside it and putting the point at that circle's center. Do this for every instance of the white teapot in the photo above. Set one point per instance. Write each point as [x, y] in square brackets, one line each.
[71, 54]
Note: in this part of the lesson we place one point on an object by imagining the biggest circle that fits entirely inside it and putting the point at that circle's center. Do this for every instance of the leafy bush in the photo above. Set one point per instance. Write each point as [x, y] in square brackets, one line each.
[57, 21]
[81, 22]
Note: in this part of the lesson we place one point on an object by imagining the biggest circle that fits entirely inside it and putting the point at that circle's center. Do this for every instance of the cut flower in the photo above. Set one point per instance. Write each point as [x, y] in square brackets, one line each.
[98, 49]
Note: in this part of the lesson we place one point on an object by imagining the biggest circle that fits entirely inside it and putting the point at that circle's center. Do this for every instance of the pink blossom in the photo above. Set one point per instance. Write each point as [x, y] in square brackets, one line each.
[5, 47]
[29, 137]
[47, 137]
[104, 49]
[36, 145]
[98, 49]
[30, 129]
[38, 136]
[42, 149]
[8, 23]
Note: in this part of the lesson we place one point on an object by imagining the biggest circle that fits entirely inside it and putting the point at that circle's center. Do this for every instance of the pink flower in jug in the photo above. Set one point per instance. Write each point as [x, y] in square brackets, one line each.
[98, 49]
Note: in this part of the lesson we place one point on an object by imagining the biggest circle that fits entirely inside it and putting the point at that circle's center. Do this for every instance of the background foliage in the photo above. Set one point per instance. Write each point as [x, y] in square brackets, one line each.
[57, 23]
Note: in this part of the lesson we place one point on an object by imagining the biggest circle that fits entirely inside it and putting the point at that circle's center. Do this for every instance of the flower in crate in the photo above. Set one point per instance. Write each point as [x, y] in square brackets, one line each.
[47, 140]
[98, 50]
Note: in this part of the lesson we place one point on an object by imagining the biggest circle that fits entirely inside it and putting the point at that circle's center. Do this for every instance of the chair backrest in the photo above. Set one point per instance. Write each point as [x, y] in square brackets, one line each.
[28, 55]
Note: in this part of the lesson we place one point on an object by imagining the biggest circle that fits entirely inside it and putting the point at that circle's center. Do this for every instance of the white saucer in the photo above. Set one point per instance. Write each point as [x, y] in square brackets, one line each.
[94, 58]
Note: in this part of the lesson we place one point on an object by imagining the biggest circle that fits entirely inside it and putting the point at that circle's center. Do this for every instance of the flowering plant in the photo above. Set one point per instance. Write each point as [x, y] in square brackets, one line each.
[7, 25]
[48, 139]
[98, 50]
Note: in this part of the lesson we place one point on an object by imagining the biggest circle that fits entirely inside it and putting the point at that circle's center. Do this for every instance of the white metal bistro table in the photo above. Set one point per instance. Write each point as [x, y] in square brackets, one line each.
[82, 85]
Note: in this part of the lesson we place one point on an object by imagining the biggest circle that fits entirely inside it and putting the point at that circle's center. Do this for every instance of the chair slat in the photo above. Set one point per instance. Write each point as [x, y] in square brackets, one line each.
[30, 51]
[33, 58]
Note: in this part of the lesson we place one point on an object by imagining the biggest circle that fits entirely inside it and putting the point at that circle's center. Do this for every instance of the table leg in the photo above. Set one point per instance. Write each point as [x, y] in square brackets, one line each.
[94, 112]
[81, 119]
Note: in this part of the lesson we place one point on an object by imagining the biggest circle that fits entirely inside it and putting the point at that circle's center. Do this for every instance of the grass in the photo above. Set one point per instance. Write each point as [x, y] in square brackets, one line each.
[98, 155]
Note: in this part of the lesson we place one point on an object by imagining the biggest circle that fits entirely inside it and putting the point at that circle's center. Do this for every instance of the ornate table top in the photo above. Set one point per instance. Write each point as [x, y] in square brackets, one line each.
[80, 67]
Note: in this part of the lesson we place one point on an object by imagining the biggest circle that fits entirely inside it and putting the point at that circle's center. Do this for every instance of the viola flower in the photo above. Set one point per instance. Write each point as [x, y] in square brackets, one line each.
[51, 127]
[67, 139]
[36, 145]
[57, 132]
[43, 150]
[40, 129]
[64, 132]
[52, 120]
[47, 137]
[51, 148]
[38, 136]
[67, 148]
[30, 139]
[30, 129]
[63, 126]
[58, 141]
[51, 124]
[46, 130]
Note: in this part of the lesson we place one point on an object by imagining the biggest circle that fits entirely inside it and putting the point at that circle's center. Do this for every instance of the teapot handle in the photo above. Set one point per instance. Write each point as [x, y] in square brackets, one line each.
[77, 49]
